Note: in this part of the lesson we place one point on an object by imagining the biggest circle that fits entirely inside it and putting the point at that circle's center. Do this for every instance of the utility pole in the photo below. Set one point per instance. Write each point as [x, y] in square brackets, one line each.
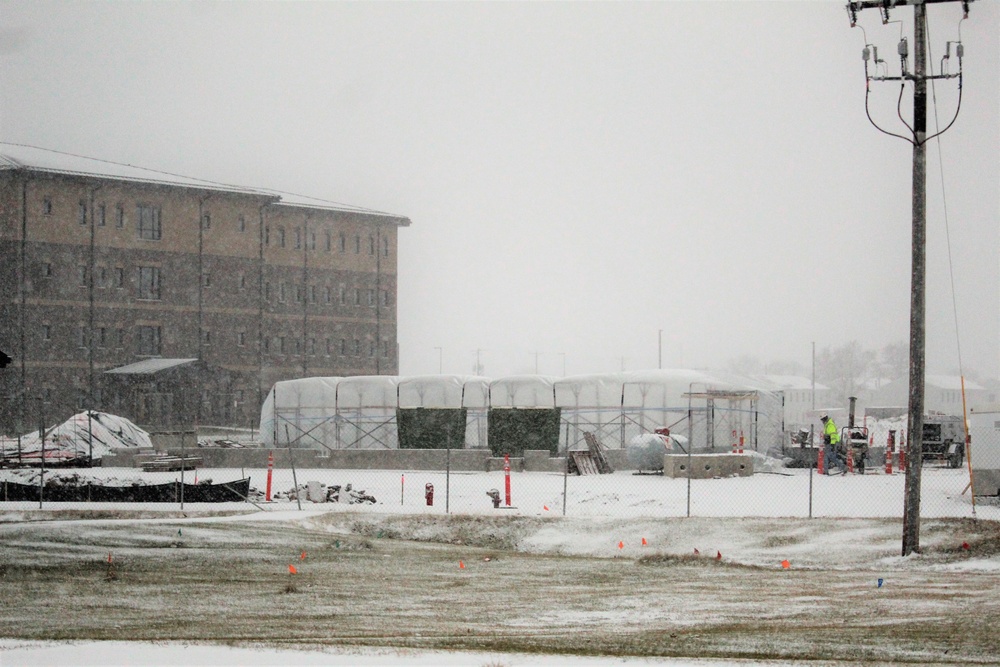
[918, 280]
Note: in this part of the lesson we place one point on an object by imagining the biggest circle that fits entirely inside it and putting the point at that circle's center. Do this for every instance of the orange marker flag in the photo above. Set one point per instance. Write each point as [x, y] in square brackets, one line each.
[621, 545]
[461, 565]
[785, 564]
[644, 541]
[718, 555]
[292, 570]
[303, 556]
[109, 556]
[696, 552]
[545, 507]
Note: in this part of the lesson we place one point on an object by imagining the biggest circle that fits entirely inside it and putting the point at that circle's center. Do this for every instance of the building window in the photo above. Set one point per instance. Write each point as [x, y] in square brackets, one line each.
[206, 280]
[298, 294]
[101, 336]
[329, 347]
[243, 281]
[312, 294]
[371, 297]
[312, 240]
[357, 296]
[46, 332]
[46, 270]
[100, 214]
[149, 341]
[357, 245]
[371, 245]
[329, 241]
[371, 348]
[267, 346]
[298, 238]
[102, 281]
[241, 224]
[267, 291]
[385, 247]
[357, 347]
[328, 294]
[343, 243]
[81, 212]
[281, 344]
[149, 223]
[385, 297]
[241, 338]
[343, 347]
[385, 349]
[81, 336]
[206, 221]
[312, 346]
[267, 236]
[119, 216]
[281, 237]
[47, 206]
[206, 337]
[149, 283]
[119, 277]
[343, 295]
[298, 346]
[281, 292]
[81, 274]
[121, 338]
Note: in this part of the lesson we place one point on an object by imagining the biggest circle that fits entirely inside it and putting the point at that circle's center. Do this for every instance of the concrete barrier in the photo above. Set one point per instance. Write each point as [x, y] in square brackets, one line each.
[707, 466]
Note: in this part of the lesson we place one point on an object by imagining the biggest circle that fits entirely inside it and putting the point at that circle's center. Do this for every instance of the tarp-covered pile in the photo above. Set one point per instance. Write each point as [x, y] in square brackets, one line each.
[82, 436]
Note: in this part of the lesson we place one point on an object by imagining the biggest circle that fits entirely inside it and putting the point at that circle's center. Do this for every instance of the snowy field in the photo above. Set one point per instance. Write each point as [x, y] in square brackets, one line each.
[622, 578]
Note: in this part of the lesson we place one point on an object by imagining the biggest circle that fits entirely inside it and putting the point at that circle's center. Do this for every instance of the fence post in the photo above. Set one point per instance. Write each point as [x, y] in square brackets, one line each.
[291, 461]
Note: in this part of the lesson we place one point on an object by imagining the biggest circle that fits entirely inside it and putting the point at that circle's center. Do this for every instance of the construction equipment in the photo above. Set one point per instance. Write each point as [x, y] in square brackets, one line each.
[944, 439]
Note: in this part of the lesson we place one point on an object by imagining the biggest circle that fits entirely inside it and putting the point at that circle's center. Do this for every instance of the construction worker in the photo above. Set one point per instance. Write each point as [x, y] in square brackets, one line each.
[831, 441]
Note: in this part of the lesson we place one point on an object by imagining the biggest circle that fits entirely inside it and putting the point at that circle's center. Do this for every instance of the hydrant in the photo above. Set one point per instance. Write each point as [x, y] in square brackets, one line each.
[495, 496]
[429, 493]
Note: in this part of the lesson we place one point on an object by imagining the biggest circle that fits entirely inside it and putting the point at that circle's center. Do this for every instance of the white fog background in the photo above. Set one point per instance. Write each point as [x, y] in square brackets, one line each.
[579, 175]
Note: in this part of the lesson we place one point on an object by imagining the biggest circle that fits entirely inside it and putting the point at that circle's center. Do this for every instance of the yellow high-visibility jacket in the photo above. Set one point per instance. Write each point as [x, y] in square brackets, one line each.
[831, 430]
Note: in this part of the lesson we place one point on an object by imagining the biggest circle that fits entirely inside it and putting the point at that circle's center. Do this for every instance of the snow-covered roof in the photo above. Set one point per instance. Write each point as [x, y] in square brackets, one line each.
[950, 382]
[149, 366]
[33, 158]
[793, 382]
[21, 157]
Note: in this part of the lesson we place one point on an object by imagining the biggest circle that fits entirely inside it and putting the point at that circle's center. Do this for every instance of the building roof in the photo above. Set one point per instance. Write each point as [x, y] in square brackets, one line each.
[793, 382]
[22, 157]
[149, 366]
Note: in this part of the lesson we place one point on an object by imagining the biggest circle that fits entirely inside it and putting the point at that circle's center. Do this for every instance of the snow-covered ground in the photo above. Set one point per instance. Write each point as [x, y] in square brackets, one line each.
[779, 493]
[606, 516]
[112, 654]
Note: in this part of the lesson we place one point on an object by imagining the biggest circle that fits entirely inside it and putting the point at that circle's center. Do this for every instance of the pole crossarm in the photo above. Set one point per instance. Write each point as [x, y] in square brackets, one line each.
[885, 5]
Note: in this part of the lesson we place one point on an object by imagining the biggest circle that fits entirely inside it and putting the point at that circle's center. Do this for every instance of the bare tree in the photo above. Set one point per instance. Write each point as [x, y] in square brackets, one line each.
[844, 369]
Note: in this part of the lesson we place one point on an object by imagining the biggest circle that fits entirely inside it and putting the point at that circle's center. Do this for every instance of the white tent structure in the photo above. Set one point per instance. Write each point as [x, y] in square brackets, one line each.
[713, 410]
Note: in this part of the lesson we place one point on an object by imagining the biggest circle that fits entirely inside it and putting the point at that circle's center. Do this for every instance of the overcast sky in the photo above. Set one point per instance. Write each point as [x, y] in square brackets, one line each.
[580, 176]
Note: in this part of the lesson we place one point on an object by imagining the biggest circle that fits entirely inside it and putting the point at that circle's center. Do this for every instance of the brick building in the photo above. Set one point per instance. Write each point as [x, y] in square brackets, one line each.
[103, 265]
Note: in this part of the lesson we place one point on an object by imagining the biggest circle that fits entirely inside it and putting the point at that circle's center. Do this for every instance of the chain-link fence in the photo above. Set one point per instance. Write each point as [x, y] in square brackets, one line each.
[717, 461]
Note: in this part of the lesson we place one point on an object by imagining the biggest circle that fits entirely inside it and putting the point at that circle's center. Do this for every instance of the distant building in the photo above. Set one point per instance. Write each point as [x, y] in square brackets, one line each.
[942, 393]
[104, 265]
[800, 402]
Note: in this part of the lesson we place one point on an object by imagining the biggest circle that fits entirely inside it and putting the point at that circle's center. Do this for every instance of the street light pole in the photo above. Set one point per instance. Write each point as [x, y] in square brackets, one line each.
[659, 363]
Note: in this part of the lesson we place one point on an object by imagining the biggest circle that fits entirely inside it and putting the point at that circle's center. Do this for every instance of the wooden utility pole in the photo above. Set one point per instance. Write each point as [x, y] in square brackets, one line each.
[918, 277]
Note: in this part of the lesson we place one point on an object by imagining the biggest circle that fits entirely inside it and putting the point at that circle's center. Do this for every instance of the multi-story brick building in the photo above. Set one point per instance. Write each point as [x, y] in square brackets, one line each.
[103, 265]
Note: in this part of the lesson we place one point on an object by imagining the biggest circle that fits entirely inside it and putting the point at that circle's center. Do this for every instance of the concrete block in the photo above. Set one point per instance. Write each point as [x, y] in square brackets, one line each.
[316, 492]
[707, 466]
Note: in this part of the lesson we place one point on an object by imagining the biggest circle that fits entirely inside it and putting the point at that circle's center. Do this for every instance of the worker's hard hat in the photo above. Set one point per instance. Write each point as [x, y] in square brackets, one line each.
[824, 417]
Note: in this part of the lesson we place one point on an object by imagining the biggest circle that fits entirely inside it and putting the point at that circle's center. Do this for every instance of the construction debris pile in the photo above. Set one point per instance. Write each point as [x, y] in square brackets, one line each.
[84, 437]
